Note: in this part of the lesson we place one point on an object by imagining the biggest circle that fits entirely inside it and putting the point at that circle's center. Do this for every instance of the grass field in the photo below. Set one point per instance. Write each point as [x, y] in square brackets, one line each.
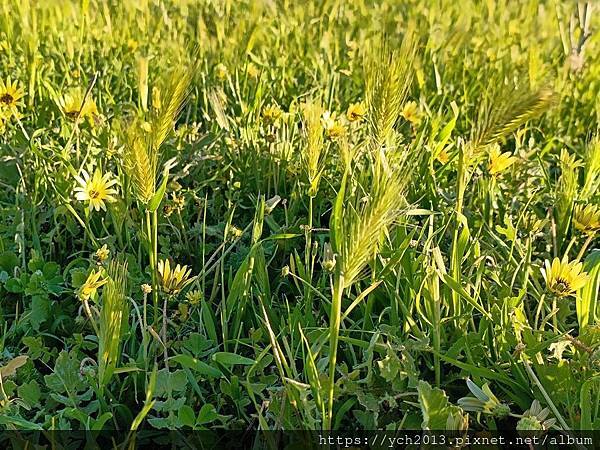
[274, 215]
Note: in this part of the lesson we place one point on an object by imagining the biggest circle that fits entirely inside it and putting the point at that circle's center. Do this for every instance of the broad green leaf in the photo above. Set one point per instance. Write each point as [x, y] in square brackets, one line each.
[197, 365]
[10, 368]
[435, 407]
[66, 376]
[186, 416]
[231, 359]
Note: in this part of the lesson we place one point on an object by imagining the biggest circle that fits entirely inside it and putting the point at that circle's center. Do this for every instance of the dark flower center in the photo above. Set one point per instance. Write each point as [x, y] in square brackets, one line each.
[562, 286]
[7, 99]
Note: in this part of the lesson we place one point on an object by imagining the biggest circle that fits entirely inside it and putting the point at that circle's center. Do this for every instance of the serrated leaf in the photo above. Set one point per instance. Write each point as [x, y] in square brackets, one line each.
[435, 407]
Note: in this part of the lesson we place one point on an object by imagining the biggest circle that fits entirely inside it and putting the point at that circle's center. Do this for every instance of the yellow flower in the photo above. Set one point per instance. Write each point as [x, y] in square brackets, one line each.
[221, 71]
[443, 156]
[336, 131]
[499, 162]
[132, 44]
[234, 232]
[328, 258]
[411, 113]
[252, 70]
[587, 218]
[91, 285]
[146, 288]
[333, 128]
[271, 114]
[72, 101]
[95, 190]
[531, 223]
[328, 120]
[484, 401]
[194, 297]
[355, 112]
[564, 278]
[102, 253]
[178, 201]
[10, 95]
[172, 281]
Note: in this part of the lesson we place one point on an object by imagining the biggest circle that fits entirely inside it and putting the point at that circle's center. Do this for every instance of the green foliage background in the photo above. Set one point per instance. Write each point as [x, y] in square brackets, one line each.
[451, 287]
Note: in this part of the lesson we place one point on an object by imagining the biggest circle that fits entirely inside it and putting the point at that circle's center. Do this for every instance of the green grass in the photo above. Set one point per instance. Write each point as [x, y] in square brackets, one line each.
[429, 261]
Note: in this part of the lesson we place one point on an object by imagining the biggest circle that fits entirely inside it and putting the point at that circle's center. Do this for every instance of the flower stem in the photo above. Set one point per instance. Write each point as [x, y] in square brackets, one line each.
[334, 333]
[584, 248]
[152, 255]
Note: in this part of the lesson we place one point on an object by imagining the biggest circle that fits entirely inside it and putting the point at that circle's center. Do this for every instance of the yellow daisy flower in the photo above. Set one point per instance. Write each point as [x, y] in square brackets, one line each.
[499, 162]
[102, 253]
[587, 218]
[333, 127]
[11, 94]
[484, 401]
[194, 297]
[173, 280]
[252, 70]
[355, 112]
[411, 113]
[271, 114]
[91, 285]
[564, 278]
[443, 156]
[71, 103]
[221, 71]
[95, 189]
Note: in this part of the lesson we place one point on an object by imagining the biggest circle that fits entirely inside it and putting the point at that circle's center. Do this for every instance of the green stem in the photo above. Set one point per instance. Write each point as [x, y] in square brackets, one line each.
[585, 246]
[307, 257]
[555, 315]
[334, 333]
[436, 341]
[88, 311]
[164, 333]
[455, 261]
[144, 327]
[573, 239]
[152, 255]
[546, 396]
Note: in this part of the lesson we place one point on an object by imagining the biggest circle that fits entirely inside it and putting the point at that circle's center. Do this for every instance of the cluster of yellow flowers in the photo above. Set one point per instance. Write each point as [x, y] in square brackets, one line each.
[334, 126]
